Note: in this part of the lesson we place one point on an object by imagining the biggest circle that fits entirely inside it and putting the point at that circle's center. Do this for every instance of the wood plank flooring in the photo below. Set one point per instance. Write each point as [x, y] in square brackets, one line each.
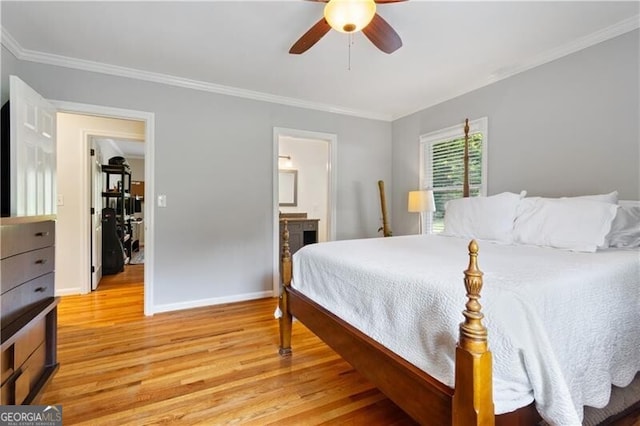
[211, 366]
[215, 365]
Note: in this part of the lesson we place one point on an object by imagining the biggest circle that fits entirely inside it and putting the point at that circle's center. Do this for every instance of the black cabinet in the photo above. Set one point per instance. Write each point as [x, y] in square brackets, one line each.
[116, 195]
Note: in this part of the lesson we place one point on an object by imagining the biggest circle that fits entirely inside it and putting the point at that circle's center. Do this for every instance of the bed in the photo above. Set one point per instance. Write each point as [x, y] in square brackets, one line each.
[556, 280]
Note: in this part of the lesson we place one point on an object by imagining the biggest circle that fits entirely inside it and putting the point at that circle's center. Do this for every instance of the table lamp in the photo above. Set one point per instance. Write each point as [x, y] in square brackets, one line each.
[421, 202]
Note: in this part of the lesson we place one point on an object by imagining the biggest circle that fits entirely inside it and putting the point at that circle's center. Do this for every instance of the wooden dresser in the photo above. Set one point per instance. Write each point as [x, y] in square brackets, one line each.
[28, 315]
[302, 231]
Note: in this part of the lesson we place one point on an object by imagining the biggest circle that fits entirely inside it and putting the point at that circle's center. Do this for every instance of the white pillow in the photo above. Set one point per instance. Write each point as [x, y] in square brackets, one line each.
[485, 218]
[625, 229]
[611, 198]
[576, 224]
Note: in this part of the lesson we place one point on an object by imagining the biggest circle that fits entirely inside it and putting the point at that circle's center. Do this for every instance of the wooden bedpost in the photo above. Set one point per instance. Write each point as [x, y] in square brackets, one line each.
[386, 229]
[465, 182]
[473, 392]
[285, 318]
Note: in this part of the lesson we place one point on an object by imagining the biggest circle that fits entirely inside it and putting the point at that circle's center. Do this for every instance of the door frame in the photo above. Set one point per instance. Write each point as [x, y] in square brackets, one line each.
[88, 143]
[149, 207]
[332, 140]
[95, 235]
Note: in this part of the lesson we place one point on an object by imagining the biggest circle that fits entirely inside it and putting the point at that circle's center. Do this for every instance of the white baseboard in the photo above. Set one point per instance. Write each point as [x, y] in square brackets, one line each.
[211, 302]
[68, 291]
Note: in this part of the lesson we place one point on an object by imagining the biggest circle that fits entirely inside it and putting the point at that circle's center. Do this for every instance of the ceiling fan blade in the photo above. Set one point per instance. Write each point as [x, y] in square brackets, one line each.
[376, 1]
[311, 37]
[382, 35]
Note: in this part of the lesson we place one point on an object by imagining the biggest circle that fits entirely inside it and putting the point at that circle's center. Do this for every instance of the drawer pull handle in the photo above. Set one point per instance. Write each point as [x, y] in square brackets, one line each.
[40, 289]
[42, 234]
[41, 261]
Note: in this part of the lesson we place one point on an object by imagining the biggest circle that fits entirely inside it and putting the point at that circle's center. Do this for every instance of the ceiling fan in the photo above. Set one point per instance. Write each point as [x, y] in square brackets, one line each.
[349, 16]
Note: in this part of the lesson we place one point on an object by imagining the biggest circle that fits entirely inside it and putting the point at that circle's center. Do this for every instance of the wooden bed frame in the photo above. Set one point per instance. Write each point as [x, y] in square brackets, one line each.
[431, 402]
[423, 397]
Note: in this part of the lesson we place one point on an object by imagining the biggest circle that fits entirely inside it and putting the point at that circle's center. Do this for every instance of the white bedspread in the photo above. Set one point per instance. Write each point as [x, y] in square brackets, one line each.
[563, 326]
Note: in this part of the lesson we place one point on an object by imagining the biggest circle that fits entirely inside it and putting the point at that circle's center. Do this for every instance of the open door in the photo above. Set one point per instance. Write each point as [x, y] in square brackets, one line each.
[32, 152]
[96, 213]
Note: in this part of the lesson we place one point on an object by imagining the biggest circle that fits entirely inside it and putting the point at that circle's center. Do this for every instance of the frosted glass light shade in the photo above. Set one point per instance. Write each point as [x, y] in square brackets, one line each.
[348, 16]
[421, 201]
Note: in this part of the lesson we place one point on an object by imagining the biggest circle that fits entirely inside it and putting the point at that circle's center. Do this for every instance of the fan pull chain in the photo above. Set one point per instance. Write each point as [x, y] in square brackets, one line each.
[350, 43]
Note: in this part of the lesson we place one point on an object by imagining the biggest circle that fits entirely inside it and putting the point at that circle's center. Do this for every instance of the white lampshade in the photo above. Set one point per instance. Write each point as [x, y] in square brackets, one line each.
[348, 16]
[421, 201]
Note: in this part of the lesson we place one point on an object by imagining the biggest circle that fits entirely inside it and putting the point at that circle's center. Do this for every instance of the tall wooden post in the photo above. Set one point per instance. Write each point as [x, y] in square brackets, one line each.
[285, 318]
[386, 229]
[473, 392]
[465, 183]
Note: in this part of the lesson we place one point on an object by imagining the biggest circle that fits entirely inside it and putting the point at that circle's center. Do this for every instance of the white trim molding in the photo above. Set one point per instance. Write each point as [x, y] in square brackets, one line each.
[332, 140]
[573, 46]
[149, 173]
[23, 54]
[99, 67]
[479, 125]
[211, 302]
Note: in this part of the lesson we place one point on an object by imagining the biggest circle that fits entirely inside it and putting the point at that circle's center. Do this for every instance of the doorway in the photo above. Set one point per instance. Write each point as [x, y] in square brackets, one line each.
[131, 223]
[312, 156]
[84, 227]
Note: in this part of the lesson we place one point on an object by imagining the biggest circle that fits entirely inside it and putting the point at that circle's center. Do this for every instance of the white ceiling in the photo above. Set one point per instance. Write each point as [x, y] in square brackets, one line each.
[241, 47]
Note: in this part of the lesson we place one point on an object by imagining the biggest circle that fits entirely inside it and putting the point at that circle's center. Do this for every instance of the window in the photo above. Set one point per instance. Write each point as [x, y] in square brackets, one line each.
[442, 166]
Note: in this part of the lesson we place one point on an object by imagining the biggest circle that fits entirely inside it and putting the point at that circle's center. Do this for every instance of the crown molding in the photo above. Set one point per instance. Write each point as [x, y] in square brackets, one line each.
[80, 64]
[581, 43]
[622, 27]
[589, 40]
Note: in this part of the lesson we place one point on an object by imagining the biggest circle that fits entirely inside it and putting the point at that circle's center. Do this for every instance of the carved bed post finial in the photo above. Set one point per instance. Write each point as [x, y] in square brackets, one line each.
[473, 334]
[473, 392]
[285, 276]
[465, 183]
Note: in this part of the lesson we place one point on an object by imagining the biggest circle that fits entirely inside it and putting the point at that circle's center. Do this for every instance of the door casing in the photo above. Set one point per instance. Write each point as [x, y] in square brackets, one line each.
[332, 141]
[85, 228]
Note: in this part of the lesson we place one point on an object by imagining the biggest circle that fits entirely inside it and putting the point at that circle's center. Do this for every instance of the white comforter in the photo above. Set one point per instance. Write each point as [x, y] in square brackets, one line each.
[563, 326]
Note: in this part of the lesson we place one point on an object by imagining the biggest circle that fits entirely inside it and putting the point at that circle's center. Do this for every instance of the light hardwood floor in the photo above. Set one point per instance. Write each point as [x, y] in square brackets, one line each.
[214, 365]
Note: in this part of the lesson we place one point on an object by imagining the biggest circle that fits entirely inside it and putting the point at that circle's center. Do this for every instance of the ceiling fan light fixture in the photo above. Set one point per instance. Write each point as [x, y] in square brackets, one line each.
[348, 16]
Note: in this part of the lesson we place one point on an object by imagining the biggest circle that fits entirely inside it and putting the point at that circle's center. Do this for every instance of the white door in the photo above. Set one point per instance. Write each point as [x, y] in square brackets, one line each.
[32, 151]
[96, 216]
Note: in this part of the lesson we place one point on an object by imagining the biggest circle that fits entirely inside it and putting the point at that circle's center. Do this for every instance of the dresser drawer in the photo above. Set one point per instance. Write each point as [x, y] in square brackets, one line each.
[26, 266]
[21, 387]
[6, 394]
[28, 343]
[34, 366]
[6, 361]
[310, 226]
[25, 297]
[30, 373]
[16, 239]
[292, 227]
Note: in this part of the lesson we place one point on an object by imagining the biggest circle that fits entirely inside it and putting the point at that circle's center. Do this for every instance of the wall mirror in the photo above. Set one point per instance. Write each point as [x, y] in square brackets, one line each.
[288, 187]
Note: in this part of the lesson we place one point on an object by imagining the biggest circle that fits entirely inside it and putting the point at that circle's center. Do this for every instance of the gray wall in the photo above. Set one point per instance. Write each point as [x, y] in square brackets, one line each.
[568, 127]
[214, 160]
